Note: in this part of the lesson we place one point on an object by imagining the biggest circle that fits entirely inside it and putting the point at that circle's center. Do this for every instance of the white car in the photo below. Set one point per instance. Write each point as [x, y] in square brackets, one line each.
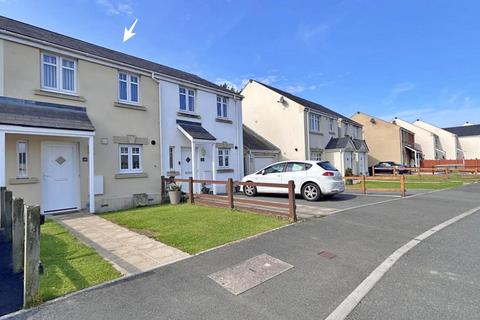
[313, 179]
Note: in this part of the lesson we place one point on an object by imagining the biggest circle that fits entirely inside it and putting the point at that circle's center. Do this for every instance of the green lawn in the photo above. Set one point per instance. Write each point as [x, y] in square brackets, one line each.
[69, 265]
[421, 182]
[193, 228]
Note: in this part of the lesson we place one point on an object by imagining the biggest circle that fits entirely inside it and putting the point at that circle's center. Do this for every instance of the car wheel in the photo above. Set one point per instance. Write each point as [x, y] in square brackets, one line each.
[311, 192]
[250, 191]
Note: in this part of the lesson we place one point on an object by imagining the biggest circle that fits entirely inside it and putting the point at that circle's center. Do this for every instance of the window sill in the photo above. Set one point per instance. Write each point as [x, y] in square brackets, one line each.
[15, 181]
[316, 133]
[173, 173]
[131, 175]
[224, 120]
[225, 170]
[60, 95]
[188, 115]
[129, 106]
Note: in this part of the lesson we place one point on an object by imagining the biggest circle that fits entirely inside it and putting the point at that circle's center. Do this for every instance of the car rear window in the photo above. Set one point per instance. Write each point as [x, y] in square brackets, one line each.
[327, 166]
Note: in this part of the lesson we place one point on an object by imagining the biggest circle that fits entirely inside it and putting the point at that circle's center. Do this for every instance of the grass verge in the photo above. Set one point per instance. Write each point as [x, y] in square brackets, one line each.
[419, 182]
[193, 228]
[69, 265]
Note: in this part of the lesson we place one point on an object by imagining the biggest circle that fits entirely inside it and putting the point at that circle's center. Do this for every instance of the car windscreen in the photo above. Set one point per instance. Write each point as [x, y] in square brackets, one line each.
[327, 166]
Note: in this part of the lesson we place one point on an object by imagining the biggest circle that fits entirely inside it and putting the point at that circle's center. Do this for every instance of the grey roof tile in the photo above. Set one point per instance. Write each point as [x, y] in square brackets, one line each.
[253, 141]
[465, 131]
[29, 113]
[195, 130]
[28, 30]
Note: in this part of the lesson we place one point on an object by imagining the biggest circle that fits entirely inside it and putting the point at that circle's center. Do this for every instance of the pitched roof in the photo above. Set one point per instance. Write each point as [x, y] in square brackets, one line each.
[30, 113]
[21, 28]
[359, 143]
[195, 130]
[253, 141]
[338, 143]
[465, 131]
[309, 104]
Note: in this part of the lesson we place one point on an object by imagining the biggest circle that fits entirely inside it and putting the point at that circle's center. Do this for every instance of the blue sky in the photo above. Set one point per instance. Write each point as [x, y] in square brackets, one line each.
[411, 59]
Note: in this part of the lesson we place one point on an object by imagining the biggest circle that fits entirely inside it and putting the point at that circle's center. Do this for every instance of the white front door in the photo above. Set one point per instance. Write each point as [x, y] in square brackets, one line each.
[60, 181]
[186, 163]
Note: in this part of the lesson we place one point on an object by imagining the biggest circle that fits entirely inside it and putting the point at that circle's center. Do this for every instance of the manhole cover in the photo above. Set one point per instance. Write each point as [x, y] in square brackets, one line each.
[250, 273]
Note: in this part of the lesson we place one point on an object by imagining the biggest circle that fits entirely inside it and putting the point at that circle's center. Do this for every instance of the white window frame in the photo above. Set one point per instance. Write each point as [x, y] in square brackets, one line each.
[315, 122]
[316, 155]
[331, 124]
[24, 175]
[59, 68]
[171, 157]
[187, 95]
[223, 102]
[129, 87]
[223, 153]
[130, 158]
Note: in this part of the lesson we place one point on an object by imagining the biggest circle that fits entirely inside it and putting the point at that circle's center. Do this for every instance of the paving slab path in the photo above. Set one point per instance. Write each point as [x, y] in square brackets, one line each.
[128, 251]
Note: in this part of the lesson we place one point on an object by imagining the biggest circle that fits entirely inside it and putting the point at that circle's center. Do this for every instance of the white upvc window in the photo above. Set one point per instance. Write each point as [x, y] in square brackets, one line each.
[347, 127]
[356, 132]
[22, 159]
[331, 124]
[222, 106]
[128, 87]
[130, 158]
[314, 122]
[316, 155]
[58, 73]
[186, 99]
[223, 158]
[171, 157]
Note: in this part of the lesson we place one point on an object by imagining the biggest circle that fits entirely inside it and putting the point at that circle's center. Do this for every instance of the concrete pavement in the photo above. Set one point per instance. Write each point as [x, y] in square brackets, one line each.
[360, 238]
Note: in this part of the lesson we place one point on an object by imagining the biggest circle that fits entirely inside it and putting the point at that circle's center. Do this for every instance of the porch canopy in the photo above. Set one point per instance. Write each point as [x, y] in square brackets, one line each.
[28, 117]
[417, 155]
[198, 135]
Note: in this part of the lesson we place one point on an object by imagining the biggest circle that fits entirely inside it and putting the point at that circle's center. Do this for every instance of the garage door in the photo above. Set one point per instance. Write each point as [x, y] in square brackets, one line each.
[261, 162]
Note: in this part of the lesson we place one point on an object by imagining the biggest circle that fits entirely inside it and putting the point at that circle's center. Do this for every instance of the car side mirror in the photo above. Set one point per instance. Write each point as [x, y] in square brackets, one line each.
[264, 172]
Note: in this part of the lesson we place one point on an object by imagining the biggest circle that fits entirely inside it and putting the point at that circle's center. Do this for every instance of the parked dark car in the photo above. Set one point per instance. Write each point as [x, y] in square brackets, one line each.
[388, 167]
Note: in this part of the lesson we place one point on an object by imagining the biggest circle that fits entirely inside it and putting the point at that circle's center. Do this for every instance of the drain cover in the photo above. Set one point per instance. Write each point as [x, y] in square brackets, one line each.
[327, 254]
[250, 273]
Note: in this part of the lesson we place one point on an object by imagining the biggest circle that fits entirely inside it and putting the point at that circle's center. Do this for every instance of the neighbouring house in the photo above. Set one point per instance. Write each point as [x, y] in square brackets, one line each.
[82, 126]
[388, 141]
[303, 129]
[468, 138]
[427, 142]
[257, 151]
[447, 140]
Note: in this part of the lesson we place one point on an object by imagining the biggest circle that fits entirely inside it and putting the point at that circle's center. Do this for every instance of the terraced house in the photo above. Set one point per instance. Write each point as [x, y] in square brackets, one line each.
[82, 126]
[304, 130]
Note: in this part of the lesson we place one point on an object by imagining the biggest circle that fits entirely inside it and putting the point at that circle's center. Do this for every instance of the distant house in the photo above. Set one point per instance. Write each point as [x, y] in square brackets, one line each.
[427, 142]
[258, 152]
[468, 138]
[302, 129]
[447, 140]
[388, 141]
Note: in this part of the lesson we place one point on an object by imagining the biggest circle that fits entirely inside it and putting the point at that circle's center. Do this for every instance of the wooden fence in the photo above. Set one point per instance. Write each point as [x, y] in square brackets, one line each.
[228, 200]
[363, 185]
[21, 225]
[429, 171]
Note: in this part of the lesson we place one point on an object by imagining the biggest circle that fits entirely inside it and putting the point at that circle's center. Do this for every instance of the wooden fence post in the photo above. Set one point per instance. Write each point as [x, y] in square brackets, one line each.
[2, 206]
[31, 276]
[18, 234]
[292, 207]
[230, 192]
[363, 185]
[373, 171]
[402, 186]
[190, 191]
[394, 171]
[7, 212]
[163, 186]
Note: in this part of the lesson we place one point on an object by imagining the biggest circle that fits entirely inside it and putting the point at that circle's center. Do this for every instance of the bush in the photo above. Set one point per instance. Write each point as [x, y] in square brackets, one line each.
[348, 172]
[174, 187]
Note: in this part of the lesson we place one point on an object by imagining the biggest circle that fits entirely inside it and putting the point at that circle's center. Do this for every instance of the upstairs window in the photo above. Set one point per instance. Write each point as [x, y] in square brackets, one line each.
[223, 158]
[128, 87]
[22, 154]
[130, 158]
[222, 103]
[314, 122]
[58, 73]
[331, 125]
[187, 99]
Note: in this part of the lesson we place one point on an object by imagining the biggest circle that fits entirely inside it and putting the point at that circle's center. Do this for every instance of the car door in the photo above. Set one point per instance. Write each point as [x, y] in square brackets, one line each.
[382, 167]
[271, 174]
[295, 171]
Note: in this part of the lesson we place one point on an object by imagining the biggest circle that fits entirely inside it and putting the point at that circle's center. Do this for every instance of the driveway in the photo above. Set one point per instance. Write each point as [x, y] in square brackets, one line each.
[358, 241]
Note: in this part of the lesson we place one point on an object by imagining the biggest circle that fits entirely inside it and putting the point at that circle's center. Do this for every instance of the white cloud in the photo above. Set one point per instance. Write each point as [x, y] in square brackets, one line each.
[113, 7]
[309, 33]
[397, 90]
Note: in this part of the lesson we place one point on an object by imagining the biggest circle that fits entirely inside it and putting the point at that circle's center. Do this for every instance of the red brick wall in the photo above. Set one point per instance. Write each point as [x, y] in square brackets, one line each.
[433, 163]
